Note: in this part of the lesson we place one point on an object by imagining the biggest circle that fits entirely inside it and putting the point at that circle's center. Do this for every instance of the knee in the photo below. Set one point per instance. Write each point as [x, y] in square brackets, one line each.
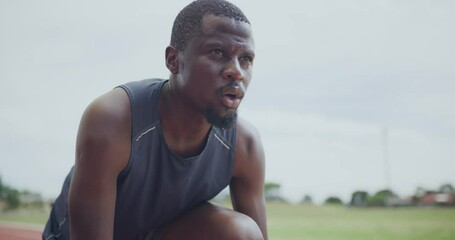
[213, 222]
[240, 227]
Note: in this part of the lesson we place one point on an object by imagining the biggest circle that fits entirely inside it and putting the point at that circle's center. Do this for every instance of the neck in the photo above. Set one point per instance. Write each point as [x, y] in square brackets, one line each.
[185, 130]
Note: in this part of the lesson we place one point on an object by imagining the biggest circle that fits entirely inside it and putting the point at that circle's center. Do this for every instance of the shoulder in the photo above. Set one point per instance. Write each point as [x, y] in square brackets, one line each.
[247, 135]
[111, 108]
[107, 113]
[105, 127]
[249, 149]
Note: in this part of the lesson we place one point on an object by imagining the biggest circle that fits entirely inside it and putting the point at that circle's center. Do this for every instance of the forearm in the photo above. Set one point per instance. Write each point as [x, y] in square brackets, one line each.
[87, 222]
[252, 206]
[91, 211]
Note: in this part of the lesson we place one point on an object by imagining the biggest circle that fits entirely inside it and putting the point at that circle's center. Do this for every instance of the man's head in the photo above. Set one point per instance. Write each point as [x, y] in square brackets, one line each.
[210, 59]
[188, 22]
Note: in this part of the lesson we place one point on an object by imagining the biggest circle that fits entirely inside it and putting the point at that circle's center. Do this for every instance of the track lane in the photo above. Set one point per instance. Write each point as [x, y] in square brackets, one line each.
[12, 231]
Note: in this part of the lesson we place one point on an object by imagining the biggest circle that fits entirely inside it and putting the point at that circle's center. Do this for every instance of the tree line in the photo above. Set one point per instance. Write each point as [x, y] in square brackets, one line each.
[12, 198]
[443, 196]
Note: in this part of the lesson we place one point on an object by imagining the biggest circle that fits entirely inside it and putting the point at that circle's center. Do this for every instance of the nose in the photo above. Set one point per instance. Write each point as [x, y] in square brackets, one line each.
[233, 70]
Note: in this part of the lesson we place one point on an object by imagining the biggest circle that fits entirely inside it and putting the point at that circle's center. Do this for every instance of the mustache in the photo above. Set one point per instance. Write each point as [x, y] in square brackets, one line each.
[233, 86]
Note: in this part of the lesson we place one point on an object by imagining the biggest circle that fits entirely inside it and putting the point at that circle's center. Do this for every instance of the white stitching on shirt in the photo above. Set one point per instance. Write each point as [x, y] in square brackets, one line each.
[145, 132]
[221, 141]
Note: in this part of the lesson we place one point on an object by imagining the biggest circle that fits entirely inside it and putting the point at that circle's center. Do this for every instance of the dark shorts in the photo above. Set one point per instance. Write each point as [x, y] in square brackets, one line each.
[61, 232]
[57, 226]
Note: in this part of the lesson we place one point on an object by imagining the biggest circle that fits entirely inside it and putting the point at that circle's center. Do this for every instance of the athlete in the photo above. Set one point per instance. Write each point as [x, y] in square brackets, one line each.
[150, 154]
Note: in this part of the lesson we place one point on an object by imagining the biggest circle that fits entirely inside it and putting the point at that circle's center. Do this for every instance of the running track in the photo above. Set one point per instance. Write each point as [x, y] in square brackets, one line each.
[10, 231]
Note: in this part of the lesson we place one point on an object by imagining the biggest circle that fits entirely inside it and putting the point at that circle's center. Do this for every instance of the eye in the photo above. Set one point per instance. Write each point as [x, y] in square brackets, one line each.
[218, 52]
[247, 59]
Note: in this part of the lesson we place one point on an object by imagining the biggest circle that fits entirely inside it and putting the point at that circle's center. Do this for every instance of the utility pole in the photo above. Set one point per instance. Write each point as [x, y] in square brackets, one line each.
[385, 156]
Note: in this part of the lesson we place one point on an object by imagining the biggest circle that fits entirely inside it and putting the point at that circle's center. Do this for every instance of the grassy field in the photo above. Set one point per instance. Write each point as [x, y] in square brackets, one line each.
[342, 223]
[29, 216]
[334, 222]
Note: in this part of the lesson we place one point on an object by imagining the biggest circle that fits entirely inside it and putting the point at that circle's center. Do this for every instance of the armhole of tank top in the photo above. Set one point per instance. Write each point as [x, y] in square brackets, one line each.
[136, 130]
[234, 151]
[125, 170]
[232, 147]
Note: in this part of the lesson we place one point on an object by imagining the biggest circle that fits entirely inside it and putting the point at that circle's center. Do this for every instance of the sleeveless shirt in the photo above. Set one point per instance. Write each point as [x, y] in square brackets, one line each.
[158, 185]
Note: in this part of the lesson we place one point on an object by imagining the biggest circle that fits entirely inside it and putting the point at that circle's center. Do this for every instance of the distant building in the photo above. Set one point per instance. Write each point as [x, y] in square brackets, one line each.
[396, 201]
[432, 198]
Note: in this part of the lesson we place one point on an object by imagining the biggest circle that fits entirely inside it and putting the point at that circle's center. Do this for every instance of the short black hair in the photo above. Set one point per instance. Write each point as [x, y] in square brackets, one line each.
[188, 21]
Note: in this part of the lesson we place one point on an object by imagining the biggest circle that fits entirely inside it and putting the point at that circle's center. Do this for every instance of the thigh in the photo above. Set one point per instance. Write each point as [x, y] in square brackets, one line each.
[209, 221]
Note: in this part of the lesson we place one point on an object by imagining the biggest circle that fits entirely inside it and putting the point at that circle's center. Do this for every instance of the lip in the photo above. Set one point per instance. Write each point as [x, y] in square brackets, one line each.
[230, 102]
[231, 97]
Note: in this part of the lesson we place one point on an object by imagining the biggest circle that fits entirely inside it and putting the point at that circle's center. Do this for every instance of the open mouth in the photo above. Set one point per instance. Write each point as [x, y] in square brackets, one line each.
[233, 93]
[231, 100]
[232, 96]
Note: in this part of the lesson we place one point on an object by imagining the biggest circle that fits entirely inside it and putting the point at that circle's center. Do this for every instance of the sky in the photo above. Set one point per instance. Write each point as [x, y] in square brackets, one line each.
[347, 95]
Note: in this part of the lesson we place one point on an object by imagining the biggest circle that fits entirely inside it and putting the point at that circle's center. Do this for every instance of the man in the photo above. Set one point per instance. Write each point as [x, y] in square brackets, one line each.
[151, 153]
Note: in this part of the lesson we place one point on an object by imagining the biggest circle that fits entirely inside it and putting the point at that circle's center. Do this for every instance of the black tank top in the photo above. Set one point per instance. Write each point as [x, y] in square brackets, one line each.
[158, 185]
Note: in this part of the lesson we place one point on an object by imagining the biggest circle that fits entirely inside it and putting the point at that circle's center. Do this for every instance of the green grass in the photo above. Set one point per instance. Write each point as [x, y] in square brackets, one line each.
[29, 216]
[342, 223]
[307, 222]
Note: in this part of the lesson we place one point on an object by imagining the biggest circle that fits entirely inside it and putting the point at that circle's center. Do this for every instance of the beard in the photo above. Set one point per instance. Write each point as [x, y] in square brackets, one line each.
[218, 120]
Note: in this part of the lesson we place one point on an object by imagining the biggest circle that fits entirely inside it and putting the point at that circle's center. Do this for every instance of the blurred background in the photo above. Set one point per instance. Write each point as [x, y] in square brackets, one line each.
[347, 95]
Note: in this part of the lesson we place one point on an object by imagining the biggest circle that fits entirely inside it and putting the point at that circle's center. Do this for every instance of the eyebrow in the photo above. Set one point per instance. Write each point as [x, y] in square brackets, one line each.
[219, 43]
[249, 52]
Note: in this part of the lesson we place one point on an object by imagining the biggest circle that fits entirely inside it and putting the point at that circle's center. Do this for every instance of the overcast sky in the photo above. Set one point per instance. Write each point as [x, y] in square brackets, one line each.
[334, 83]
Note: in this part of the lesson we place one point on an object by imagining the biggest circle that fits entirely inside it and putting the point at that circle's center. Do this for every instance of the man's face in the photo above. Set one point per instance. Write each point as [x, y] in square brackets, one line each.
[216, 68]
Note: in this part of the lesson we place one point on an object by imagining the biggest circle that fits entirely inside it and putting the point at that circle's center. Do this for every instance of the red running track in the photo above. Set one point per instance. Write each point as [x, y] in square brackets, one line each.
[18, 232]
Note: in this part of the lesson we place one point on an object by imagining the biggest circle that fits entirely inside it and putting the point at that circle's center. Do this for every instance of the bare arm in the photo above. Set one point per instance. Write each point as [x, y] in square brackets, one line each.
[102, 151]
[247, 184]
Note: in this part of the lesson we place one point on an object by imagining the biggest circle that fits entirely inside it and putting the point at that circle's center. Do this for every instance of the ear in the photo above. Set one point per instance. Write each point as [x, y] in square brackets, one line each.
[172, 59]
